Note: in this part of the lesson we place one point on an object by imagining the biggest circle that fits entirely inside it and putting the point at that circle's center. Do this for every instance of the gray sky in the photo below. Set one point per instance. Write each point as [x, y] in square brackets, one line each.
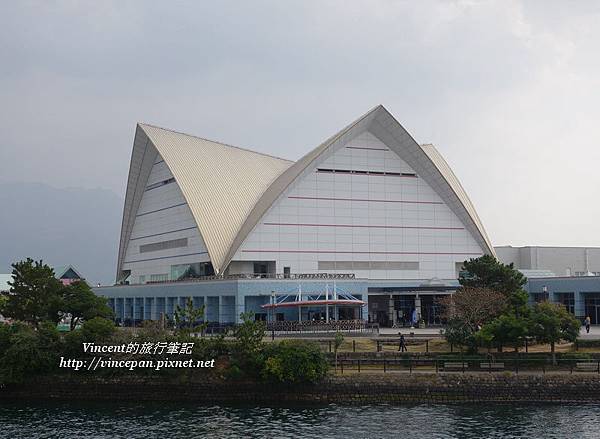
[508, 91]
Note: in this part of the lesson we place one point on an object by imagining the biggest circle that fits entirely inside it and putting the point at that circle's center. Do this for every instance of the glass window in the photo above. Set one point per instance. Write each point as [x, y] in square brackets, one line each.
[568, 300]
[190, 271]
[159, 277]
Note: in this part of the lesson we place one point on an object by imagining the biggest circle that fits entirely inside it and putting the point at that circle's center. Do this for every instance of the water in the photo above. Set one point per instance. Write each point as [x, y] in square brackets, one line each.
[107, 420]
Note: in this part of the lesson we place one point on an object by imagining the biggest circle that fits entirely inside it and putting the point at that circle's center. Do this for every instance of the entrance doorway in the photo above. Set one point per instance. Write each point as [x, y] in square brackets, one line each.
[431, 310]
[404, 306]
[346, 313]
[592, 307]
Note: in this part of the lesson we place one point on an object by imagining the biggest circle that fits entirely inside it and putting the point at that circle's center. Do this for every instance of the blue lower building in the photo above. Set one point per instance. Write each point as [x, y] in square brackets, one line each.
[387, 303]
[580, 295]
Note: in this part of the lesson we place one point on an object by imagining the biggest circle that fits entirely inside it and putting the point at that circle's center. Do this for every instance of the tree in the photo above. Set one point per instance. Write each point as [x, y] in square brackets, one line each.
[459, 334]
[468, 309]
[487, 272]
[246, 355]
[337, 342]
[249, 334]
[507, 329]
[35, 294]
[473, 306]
[81, 304]
[98, 329]
[551, 323]
[188, 318]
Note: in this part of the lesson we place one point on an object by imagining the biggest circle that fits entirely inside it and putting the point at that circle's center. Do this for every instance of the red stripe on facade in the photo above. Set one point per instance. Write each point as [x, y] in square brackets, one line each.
[364, 226]
[370, 149]
[362, 199]
[367, 173]
[360, 253]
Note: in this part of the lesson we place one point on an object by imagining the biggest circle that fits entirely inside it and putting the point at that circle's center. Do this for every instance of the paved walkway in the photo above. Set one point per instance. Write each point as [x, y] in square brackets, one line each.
[593, 335]
[406, 331]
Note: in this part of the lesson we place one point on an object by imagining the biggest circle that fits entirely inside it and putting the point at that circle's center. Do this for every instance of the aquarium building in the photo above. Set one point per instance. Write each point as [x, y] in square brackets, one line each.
[370, 225]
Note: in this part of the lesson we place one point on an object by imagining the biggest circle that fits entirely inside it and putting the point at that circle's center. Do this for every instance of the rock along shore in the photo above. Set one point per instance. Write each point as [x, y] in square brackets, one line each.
[352, 389]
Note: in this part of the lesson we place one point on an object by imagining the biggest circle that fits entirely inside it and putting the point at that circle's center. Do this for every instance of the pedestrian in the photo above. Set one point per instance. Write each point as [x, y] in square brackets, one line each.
[588, 322]
[402, 346]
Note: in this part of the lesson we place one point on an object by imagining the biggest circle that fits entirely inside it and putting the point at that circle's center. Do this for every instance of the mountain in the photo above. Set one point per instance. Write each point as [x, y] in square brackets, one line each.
[61, 226]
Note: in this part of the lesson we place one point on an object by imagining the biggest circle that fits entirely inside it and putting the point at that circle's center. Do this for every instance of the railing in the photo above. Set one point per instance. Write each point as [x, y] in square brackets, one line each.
[253, 276]
[410, 364]
[317, 326]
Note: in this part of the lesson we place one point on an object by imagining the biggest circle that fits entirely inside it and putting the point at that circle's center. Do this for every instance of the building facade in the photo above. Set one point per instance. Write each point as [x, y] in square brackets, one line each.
[369, 215]
[580, 295]
[562, 261]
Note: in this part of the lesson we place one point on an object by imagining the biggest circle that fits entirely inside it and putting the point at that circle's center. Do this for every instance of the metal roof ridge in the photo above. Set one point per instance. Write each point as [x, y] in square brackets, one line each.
[142, 124]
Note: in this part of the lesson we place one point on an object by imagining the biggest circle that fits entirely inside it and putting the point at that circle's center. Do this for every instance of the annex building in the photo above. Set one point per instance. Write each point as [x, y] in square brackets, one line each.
[370, 225]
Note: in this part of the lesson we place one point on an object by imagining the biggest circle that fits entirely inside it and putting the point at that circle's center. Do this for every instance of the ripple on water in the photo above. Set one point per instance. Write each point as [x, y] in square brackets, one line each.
[108, 420]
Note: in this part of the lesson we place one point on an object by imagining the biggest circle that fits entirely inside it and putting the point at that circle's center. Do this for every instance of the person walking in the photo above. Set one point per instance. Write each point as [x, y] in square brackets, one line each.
[402, 345]
[588, 323]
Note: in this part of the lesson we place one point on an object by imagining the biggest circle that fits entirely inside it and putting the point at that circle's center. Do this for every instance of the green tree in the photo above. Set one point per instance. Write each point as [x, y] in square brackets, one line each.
[458, 333]
[246, 353]
[505, 330]
[250, 333]
[337, 342]
[98, 329]
[35, 294]
[188, 318]
[81, 304]
[551, 323]
[487, 272]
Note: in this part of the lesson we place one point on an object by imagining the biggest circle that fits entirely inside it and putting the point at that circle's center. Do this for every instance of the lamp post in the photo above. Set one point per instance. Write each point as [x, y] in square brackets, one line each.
[273, 307]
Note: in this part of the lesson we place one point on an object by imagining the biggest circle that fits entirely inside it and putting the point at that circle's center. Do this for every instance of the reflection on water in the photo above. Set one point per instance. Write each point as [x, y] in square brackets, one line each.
[105, 420]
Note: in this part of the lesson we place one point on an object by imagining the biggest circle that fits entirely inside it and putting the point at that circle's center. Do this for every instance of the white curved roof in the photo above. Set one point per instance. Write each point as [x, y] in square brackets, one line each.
[459, 192]
[425, 160]
[228, 189]
[220, 183]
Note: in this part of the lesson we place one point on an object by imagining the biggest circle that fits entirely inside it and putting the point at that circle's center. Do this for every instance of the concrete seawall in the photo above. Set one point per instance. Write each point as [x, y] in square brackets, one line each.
[355, 389]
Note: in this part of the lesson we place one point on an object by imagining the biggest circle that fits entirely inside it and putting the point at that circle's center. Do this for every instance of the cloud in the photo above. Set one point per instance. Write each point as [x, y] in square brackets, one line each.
[507, 90]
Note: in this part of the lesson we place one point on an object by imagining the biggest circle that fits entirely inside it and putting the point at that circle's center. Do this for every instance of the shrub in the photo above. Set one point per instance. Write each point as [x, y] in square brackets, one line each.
[587, 343]
[579, 356]
[98, 329]
[294, 361]
[5, 333]
[73, 344]
[28, 352]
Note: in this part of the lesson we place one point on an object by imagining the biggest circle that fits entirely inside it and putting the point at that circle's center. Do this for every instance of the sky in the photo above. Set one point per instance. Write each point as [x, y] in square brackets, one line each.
[508, 91]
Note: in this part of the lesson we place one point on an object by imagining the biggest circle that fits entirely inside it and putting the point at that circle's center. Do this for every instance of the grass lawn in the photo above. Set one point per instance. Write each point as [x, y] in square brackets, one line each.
[436, 345]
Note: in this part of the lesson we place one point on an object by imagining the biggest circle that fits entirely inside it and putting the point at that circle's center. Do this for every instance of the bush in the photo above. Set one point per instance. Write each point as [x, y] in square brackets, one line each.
[98, 330]
[587, 343]
[28, 352]
[579, 356]
[294, 361]
[5, 332]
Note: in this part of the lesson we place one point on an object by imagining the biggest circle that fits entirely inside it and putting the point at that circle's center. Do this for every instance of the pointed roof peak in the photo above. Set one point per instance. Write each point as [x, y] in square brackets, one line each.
[142, 125]
[427, 162]
[220, 183]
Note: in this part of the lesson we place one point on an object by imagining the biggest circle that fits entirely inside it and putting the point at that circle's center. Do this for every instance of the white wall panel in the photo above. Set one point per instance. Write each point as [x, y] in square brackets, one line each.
[401, 219]
[163, 215]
